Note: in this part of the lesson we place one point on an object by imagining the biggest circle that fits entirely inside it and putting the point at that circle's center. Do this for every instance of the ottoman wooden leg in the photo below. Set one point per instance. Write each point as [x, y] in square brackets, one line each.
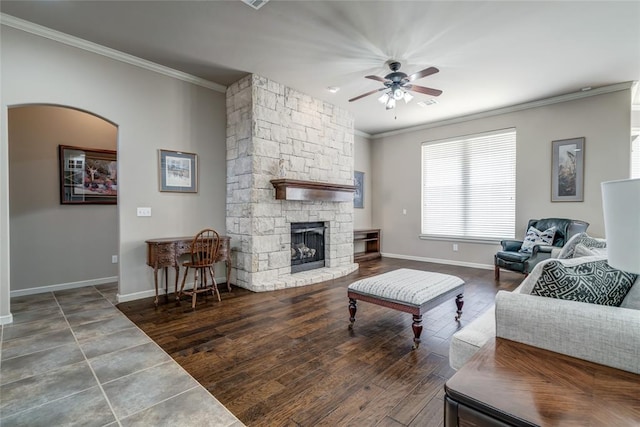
[417, 330]
[459, 304]
[352, 312]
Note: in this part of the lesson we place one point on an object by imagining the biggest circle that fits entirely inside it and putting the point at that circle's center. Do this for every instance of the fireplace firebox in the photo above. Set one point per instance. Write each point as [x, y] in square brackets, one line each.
[307, 246]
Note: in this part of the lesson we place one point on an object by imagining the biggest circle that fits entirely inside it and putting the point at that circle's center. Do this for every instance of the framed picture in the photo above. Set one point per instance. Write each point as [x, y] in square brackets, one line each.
[88, 176]
[358, 196]
[567, 170]
[178, 171]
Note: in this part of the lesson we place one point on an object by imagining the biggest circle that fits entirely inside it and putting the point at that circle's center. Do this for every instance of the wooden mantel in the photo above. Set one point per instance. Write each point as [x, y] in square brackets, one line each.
[293, 189]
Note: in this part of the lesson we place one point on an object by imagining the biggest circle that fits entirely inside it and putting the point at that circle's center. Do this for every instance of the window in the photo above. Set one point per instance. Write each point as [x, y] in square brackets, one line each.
[635, 153]
[469, 186]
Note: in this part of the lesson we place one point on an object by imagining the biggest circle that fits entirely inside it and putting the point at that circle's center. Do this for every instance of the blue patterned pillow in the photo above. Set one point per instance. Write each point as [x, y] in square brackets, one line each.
[594, 282]
[537, 237]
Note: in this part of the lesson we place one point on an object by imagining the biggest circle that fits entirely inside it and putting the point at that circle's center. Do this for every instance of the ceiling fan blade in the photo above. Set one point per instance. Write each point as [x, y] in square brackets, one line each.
[425, 90]
[367, 94]
[379, 79]
[424, 73]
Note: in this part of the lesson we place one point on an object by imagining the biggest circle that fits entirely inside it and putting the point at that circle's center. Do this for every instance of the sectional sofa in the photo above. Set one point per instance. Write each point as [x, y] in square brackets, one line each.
[602, 334]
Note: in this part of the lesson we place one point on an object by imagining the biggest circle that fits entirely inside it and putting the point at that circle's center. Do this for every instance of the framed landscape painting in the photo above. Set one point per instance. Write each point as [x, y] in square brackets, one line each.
[88, 176]
[178, 171]
[567, 170]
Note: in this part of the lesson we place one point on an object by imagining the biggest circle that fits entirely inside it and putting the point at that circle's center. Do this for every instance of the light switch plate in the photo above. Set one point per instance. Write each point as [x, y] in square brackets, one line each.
[144, 211]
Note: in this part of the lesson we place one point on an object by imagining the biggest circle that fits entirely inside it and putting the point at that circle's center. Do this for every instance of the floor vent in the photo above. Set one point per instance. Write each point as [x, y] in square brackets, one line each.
[256, 4]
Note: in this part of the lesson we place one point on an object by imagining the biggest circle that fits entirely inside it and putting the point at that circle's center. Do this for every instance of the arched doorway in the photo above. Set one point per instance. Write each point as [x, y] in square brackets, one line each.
[55, 246]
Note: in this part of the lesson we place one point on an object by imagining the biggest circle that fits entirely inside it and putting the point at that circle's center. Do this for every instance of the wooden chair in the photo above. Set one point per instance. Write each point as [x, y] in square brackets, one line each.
[204, 251]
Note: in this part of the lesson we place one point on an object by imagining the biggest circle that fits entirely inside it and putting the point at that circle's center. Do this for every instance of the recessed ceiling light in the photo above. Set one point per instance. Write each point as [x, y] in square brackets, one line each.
[333, 89]
[427, 102]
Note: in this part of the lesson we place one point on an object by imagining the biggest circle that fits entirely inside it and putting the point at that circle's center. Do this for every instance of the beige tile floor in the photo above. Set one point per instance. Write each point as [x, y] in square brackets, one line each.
[71, 358]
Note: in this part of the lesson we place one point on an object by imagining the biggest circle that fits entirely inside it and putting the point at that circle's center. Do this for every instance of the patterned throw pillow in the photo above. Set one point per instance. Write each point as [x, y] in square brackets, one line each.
[594, 282]
[592, 242]
[537, 237]
[568, 250]
[569, 247]
[581, 250]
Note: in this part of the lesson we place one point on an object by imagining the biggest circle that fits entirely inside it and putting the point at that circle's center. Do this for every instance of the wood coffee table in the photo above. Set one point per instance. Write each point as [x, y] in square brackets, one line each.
[512, 384]
[410, 291]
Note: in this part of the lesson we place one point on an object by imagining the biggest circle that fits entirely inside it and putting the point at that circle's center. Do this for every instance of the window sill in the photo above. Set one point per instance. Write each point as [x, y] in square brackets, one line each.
[482, 241]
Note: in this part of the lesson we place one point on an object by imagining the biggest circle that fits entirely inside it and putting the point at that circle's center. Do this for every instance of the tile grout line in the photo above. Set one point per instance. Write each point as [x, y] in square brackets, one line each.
[162, 401]
[87, 360]
[61, 310]
[50, 401]
[36, 406]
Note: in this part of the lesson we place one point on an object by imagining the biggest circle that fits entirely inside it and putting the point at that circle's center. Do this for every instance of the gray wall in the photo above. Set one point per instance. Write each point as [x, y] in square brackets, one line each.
[56, 244]
[362, 163]
[604, 120]
[152, 111]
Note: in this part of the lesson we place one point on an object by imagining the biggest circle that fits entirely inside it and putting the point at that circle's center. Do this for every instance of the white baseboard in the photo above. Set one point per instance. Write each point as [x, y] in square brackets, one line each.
[136, 295]
[152, 292]
[5, 320]
[62, 286]
[440, 261]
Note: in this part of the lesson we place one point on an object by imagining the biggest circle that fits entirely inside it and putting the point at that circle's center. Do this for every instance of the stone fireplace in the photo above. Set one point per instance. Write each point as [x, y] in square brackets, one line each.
[275, 132]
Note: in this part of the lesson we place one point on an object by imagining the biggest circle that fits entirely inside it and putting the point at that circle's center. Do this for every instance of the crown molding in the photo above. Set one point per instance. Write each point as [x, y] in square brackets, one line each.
[360, 133]
[519, 107]
[88, 46]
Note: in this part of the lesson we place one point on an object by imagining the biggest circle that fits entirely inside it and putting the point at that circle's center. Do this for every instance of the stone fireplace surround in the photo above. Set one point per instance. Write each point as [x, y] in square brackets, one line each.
[277, 132]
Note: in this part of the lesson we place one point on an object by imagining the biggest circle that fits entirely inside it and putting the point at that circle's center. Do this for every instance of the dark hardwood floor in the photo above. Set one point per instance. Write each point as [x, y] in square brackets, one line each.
[287, 358]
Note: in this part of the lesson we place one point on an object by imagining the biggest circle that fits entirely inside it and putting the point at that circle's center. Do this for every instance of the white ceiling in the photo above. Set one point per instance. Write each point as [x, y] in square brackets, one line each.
[491, 54]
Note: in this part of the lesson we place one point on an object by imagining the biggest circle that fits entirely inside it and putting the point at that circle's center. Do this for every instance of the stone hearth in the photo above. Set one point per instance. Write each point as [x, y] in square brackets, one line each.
[277, 132]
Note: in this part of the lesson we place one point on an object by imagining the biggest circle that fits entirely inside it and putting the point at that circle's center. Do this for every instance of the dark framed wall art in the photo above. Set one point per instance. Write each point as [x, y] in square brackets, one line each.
[87, 175]
[178, 171]
[358, 196]
[567, 170]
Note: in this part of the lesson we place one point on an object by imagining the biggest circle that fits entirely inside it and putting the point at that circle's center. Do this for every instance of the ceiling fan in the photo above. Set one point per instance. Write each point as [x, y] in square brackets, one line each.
[398, 85]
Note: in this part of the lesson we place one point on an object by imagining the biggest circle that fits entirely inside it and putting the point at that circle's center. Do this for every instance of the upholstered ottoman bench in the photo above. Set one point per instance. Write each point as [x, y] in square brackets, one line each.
[409, 291]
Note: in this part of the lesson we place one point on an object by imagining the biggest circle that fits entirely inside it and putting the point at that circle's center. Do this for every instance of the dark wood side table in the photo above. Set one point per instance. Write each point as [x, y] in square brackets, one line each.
[511, 384]
[164, 253]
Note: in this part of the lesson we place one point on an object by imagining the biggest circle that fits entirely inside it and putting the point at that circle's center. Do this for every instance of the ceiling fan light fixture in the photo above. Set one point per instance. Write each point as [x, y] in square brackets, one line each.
[397, 86]
[384, 98]
[391, 104]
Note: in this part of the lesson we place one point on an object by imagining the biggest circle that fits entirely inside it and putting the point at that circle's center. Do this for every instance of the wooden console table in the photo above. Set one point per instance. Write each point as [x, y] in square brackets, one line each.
[512, 384]
[165, 252]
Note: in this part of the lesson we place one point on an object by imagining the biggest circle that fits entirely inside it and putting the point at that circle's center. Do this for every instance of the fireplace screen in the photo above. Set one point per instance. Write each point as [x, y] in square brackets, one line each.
[307, 246]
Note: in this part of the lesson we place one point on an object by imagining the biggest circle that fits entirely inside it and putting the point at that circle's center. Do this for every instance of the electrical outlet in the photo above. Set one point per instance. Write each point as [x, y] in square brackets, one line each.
[144, 211]
[455, 247]
[114, 259]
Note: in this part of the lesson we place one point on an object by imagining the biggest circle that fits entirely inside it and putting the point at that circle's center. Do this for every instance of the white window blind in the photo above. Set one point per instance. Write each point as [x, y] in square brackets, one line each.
[635, 155]
[469, 186]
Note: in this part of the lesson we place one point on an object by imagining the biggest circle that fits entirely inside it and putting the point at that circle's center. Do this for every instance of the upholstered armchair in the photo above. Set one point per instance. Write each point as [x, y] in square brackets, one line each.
[511, 257]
